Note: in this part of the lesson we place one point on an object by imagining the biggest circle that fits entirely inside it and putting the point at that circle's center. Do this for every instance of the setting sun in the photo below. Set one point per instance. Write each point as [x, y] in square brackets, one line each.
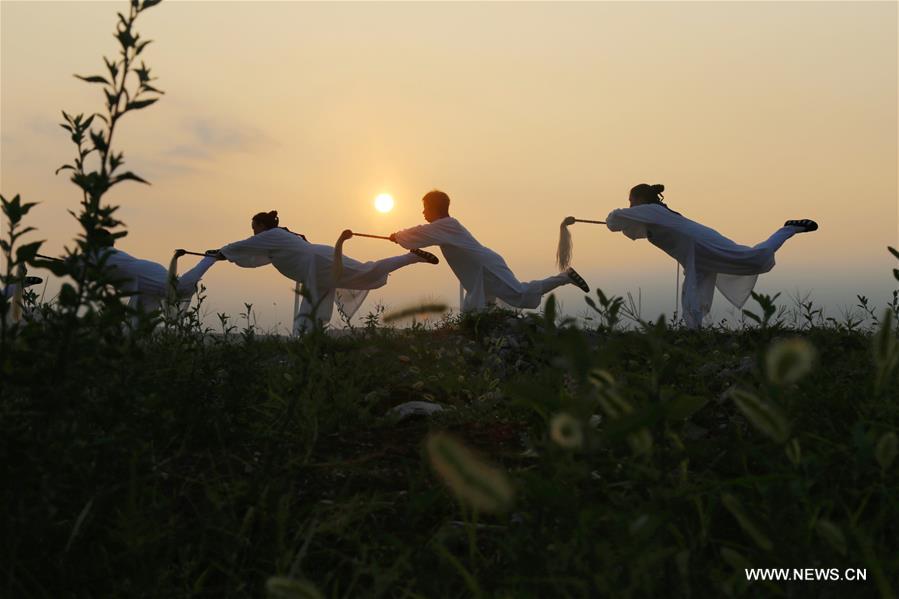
[384, 202]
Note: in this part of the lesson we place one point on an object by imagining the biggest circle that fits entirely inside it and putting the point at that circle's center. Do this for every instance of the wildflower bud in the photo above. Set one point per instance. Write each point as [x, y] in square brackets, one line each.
[566, 432]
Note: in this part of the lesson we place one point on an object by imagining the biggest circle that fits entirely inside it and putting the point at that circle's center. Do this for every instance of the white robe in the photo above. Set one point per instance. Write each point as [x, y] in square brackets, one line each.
[312, 265]
[483, 273]
[709, 259]
[148, 282]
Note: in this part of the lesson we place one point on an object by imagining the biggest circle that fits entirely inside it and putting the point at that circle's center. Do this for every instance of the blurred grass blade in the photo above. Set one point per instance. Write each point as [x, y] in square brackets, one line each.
[412, 311]
[79, 522]
[764, 416]
[832, 534]
[887, 449]
[474, 482]
[281, 587]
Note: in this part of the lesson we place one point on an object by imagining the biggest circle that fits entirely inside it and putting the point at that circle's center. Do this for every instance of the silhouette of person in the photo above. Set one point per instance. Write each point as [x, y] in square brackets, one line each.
[709, 259]
[312, 265]
[481, 271]
[147, 282]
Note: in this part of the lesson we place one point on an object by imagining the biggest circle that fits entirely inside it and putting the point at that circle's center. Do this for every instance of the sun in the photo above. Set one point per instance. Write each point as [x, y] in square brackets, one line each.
[384, 202]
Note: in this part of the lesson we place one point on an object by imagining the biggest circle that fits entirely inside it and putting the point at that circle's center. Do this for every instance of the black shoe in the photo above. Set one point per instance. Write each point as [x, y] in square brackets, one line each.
[807, 224]
[29, 281]
[577, 280]
[426, 256]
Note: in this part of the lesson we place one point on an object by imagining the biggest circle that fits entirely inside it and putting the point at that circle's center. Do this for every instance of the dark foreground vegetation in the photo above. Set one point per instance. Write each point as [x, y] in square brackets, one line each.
[159, 459]
[626, 463]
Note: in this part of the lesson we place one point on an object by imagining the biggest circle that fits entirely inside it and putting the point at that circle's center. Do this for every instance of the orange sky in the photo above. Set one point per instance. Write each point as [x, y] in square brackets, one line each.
[749, 113]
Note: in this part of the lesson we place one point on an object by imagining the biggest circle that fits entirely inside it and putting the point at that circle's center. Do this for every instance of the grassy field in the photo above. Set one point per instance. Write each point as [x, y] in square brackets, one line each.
[646, 462]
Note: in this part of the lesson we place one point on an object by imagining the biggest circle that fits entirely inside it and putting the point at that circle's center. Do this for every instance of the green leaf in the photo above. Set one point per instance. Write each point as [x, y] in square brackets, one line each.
[125, 38]
[111, 99]
[99, 141]
[474, 482]
[138, 104]
[112, 66]
[149, 4]
[129, 176]
[146, 87]
[94, 79]
[140, 47]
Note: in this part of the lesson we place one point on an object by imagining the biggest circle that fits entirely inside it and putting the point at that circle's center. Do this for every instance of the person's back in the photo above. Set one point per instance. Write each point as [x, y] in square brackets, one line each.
[143, 276]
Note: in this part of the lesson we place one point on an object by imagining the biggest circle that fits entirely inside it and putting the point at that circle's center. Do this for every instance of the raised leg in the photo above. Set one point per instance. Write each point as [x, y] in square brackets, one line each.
[187, 283]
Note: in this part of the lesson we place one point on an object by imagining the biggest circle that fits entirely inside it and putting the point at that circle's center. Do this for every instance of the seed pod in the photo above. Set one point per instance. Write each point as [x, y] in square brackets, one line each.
[474, 482]
[566, 431]
[788, 360]
[764, 416]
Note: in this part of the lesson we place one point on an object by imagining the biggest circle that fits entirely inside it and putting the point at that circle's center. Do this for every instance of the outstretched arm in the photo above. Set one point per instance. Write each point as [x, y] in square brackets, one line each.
[630, 221]
[421, 236]
[252, 252]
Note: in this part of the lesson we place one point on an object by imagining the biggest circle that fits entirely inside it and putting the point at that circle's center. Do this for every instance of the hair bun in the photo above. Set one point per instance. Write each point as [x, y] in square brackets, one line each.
[658, 188]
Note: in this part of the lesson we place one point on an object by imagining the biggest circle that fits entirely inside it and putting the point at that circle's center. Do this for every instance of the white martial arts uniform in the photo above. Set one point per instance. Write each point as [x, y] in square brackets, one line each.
[312, 266]
[482, 272]
[148, 282]
[709, 259]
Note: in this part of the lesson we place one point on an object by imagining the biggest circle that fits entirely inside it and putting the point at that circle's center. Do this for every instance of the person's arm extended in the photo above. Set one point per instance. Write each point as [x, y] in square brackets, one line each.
[252, 252]
[630, 221]
[421, 236]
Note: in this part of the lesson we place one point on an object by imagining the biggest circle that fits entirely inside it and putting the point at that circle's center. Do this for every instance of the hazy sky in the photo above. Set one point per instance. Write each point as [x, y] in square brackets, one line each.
[750, 113]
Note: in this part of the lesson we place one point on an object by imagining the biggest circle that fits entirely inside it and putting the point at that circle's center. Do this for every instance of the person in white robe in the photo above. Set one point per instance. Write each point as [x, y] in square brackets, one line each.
[145, 281]
[708, 258]
[483, 273]
[311, 265]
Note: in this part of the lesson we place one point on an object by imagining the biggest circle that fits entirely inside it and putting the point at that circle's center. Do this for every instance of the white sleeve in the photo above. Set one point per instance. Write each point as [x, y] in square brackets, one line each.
[252, 252]
[421, 236]
[628, 222]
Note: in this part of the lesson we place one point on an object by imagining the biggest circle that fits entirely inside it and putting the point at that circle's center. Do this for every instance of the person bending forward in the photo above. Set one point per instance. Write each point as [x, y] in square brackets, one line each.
[709, 259]
[312, 265]
[481, 271]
